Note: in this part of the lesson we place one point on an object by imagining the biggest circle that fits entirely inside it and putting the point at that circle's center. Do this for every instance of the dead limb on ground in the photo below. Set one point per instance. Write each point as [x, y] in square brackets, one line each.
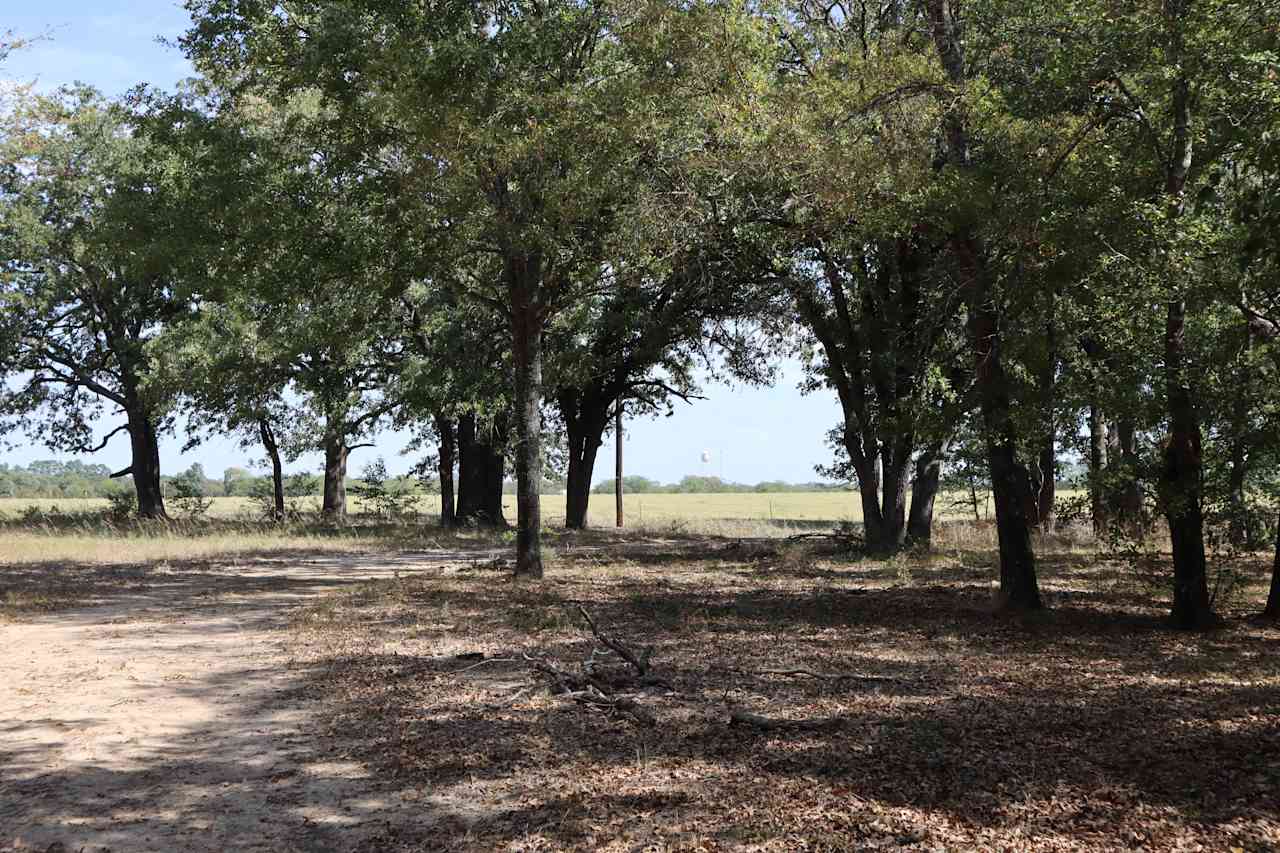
[599, 684]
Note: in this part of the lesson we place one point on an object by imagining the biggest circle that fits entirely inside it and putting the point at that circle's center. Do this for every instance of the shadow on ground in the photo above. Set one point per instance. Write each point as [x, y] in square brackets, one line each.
[1090, 726]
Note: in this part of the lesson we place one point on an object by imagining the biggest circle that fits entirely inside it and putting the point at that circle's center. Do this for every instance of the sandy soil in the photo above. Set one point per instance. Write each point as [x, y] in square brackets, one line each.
[167, 719]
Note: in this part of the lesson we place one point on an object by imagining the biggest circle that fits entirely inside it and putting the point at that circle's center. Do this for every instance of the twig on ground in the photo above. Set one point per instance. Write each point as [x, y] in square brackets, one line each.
[482, 663]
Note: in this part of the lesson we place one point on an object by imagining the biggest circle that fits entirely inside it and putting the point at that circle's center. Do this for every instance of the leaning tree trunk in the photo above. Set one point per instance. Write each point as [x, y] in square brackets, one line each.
[924, 491]
[334, 504]
[444, 466]
[523, 274]
[268, 437]
[144, 465]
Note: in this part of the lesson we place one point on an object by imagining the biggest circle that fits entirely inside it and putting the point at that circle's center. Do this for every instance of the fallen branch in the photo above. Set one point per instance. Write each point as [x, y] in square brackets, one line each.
[641, 662]
[739, 717]
[851, 539]
[822, 676]
[483, 663]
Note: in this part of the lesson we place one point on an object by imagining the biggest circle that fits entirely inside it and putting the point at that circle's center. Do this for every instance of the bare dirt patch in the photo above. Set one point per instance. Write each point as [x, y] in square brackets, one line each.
[167, 717]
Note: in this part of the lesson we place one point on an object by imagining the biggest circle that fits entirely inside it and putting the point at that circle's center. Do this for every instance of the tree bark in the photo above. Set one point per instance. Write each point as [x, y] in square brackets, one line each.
[924, 491]
[334, 504]
[1009, 483]
[585, 417]
[1272, 610]
[524, 275]
[495, 472]
[895, 461]
[868, 473]
[268, 437]
[1098, 503]
[1046, 485]
[1182, 473]
[1127, 498]
[1048, 491]
[144, 465]
[1181, 483]
[617, 467]
[481, 471]
[1239, 532]
[445, 430]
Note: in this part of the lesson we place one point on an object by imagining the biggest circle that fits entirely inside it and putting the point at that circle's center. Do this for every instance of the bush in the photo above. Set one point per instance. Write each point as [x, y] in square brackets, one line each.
[384, 497]
[122, 504]
[189, 496]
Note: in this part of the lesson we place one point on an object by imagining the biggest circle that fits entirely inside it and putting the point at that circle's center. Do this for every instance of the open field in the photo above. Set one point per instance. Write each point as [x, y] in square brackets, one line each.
[382, 700]
[65, 529]
[650, 509]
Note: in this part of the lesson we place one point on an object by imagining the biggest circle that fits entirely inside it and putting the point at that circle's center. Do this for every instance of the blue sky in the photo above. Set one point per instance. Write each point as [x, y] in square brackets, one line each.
[752, 434]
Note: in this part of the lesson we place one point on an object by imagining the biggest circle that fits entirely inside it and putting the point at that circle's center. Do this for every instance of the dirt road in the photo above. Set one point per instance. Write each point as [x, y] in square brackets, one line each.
[166, 719]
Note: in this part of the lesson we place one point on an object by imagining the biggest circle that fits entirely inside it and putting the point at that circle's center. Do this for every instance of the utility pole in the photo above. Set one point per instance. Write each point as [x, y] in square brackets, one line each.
[617, 476]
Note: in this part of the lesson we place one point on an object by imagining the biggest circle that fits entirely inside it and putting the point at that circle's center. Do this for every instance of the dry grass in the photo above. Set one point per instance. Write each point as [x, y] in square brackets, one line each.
[642, 511]
[1089, 727]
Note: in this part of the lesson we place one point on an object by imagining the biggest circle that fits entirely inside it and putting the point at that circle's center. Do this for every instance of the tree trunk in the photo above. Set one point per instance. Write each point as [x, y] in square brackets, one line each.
[524, 274]
[868, 473]
[1010, 485]
[145, 466]
[1272, 610]
[481, 470]
[268, 437]
[445, 429]
[1097, 468]
[1181, 483]
[334, 504]
[924, 491]
[1048, 484]
[1045, 480]
[617, 463]
[585, 421]
[1127, 500]
[1239, 531]
[495, 472]
[893, 500]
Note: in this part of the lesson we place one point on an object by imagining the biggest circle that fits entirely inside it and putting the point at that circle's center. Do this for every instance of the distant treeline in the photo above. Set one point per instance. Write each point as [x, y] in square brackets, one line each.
[694, 484]
[74, 479]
